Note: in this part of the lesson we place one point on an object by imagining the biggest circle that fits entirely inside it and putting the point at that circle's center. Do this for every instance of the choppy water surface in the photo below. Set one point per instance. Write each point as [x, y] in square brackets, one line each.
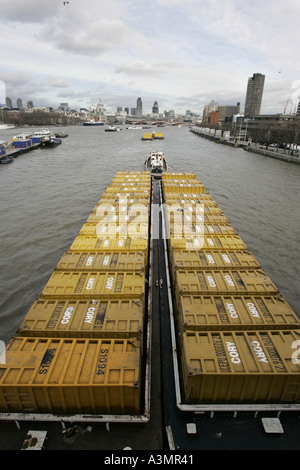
[47, 194]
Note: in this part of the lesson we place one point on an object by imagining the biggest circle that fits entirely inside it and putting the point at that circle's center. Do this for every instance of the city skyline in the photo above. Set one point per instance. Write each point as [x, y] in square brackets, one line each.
[182, 54]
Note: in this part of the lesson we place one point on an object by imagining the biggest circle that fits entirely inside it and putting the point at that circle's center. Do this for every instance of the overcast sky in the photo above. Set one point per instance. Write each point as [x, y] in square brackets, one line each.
[182, 53]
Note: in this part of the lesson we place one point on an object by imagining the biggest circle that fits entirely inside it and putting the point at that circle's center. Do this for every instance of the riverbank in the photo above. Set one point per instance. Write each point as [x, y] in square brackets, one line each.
[278, 154]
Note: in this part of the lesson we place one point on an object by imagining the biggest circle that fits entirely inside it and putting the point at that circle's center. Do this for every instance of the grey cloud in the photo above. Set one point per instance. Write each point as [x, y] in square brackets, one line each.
[143, 68]
[29, 11]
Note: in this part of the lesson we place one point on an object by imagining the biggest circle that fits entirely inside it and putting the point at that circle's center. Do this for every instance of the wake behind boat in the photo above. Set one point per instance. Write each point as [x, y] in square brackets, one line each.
[156, 164]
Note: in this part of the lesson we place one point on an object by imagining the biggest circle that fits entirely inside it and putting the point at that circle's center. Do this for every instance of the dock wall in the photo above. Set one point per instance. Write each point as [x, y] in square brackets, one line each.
[279, 155]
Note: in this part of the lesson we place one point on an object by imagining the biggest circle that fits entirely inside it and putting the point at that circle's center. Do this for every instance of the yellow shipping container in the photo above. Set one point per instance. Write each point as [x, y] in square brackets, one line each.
[128, 188]
[95, 285]
[184, 227]
[224, 282]
[94, 243]
[205, 312]
[109, 260]
[240, 367]
[200, 198]
[172, 187]
[178, 175]
[84, 319]
[208, 259]
[113, 229]
[109, 196]
[209, 242]
[190, 202]
[71, 376]
[117, 217]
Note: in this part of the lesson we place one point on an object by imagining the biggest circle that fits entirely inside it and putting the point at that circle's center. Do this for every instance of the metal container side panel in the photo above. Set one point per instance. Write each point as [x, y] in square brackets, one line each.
[95, 285]
[130, 188]
[217, 282]
[182, 226]
[116, 207]
[109, 195]
[113, 229]
[92, 318]
[200, 198]
[93, 243]
[200, 312]
[119, 218]
[208, 242]
[240, 367]
[72, 376]
[120, 200]
[178, 175]
[128, 184]
[208, 259]
[119, 261]
[193, 188]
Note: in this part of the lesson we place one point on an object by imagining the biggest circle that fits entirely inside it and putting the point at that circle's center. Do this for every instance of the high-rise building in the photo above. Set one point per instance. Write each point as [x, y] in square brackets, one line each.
[298, 109]
[254, 94]
[139, 107]
[8, 102]
[19, 104]
[155, 109]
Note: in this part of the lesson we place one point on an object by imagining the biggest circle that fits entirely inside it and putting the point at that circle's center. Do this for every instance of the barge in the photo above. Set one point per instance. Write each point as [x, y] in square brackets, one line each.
[151, 321]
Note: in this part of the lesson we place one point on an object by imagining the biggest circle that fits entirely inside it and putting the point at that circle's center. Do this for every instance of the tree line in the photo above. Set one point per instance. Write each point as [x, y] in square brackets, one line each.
[39, 118]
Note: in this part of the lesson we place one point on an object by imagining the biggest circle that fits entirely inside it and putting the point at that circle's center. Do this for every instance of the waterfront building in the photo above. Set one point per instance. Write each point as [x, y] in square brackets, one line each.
[254, 94]
[228, 110]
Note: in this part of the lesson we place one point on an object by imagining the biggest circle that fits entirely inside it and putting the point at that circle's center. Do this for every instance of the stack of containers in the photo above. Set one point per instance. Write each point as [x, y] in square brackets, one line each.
[237, 334]
[79, 349]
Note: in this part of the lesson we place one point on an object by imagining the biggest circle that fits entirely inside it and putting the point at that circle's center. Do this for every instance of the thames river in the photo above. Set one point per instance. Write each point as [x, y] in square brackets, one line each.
[47, 195]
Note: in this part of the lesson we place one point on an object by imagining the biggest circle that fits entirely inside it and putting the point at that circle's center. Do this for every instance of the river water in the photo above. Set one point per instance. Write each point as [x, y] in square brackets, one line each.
[47, 194]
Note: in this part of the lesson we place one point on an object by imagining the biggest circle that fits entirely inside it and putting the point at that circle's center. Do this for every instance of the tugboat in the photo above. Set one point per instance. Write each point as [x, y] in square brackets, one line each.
[50, 141]
[156, 164]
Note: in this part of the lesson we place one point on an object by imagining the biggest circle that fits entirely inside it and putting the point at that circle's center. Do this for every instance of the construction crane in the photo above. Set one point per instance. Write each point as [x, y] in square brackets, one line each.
[284, 111]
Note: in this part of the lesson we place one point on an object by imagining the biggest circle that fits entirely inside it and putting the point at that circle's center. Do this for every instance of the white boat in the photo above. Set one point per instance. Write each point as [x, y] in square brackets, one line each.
[42, 133]
[156, 164]
[3, 127]
[112, 129]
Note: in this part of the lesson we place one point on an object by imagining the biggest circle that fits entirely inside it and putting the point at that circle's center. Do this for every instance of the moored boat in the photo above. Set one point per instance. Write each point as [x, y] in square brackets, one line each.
[50, 141]
[93, 123]
[6, 159]
[3, 127]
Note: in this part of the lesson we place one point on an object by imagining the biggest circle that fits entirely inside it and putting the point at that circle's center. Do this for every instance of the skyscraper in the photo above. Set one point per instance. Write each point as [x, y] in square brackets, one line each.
[139, 107]
[254, 94]
[155, 109]
[8, 102]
